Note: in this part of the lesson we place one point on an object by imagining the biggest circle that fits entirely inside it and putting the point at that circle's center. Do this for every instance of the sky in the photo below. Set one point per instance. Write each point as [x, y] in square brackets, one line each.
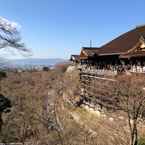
[59, 28]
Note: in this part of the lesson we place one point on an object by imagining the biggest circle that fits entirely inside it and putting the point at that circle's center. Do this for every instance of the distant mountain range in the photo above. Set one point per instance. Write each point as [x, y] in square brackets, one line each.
[35, 62]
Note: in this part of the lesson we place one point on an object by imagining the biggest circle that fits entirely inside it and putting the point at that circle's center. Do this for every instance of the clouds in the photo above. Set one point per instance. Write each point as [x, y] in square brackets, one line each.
[9, 25]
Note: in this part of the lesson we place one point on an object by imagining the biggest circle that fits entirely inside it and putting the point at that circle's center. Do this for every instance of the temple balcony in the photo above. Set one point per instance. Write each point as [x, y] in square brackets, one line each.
[112, 71]
[94, 71]
[137, 69]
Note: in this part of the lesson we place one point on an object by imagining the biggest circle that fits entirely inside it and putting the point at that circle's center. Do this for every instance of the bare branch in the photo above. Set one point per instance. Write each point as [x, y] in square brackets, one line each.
[10, 35]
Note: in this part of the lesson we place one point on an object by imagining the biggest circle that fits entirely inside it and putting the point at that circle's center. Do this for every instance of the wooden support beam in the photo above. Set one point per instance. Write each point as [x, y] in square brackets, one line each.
[101, 78]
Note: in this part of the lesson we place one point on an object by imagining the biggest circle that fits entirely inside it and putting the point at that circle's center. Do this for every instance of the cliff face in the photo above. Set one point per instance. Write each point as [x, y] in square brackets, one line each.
[72, 84]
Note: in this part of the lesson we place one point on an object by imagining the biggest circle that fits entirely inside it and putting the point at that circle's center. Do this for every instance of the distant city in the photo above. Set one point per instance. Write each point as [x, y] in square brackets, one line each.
[28, 64]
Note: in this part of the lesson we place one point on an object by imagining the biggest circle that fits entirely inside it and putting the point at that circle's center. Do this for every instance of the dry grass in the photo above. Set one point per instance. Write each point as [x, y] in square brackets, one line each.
[101, 130]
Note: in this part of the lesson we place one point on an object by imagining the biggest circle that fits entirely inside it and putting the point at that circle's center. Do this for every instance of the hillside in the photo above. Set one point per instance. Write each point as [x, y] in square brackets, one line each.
[42, 112]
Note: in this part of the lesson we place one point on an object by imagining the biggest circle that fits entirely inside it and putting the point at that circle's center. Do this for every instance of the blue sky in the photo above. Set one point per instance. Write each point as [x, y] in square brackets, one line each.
[58, 28]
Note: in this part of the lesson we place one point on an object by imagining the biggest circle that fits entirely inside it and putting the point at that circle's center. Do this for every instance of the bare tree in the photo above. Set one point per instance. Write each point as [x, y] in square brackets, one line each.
[10, 35]
[131, 94]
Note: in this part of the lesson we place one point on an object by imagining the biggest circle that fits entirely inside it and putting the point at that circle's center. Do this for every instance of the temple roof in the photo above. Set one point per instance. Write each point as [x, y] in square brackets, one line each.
[90, 51]
[75, 58]
[123, 43]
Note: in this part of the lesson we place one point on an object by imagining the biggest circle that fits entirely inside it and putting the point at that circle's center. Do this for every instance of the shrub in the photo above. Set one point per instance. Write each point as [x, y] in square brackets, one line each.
[3, 74]
[141, 141]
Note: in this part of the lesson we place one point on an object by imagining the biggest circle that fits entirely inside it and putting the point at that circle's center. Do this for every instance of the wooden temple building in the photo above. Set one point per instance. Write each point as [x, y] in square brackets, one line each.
[75, 58]
[99, 65]
[125, 53]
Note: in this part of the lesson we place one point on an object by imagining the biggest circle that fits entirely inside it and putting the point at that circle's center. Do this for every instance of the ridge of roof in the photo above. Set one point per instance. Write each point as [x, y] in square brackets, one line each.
[139, 26]
[75, 55]
[89, 48]
[124, 42]
[90, 51]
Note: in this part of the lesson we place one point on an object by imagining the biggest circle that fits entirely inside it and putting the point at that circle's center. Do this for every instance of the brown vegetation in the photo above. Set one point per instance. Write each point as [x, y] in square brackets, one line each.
[131, 93]
[42, 112]
[28, 92]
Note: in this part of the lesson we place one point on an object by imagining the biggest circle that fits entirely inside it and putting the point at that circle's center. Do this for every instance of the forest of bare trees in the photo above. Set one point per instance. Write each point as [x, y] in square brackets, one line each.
[42, 114]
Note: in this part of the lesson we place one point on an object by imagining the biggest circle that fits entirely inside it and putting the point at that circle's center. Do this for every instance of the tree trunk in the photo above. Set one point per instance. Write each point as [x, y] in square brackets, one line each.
[135, 142]
[1, 122]
[134, 134]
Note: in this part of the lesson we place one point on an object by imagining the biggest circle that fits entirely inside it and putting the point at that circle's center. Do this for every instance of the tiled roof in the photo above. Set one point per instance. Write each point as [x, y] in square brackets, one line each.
[124, 42]
[75, 57]
[90, 51]
[134, 54]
